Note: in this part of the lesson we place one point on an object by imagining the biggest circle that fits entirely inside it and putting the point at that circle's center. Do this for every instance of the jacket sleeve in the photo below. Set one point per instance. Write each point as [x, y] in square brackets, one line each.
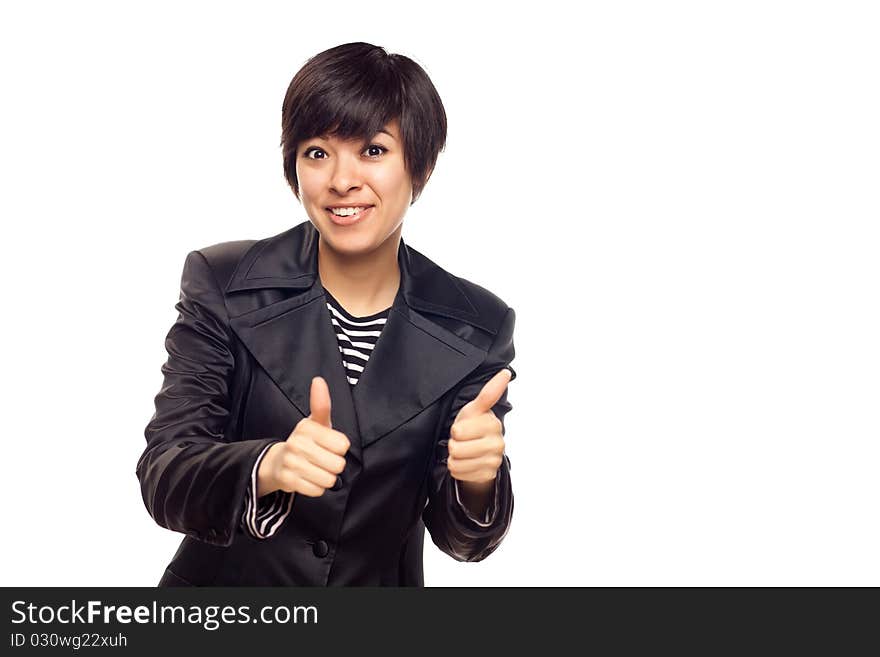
[193, 480]
[453, 528]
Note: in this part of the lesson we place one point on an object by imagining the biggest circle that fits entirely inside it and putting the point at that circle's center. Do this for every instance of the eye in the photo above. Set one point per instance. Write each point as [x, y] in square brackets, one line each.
[381, 149]
[370, 150]
[313, 149]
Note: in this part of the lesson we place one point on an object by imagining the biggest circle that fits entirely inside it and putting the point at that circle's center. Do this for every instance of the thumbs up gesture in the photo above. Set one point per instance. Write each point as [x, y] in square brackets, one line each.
[311, 457]
[476, 444]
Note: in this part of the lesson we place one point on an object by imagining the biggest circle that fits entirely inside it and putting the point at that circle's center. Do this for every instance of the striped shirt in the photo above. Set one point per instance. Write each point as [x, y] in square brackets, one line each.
[357, 337]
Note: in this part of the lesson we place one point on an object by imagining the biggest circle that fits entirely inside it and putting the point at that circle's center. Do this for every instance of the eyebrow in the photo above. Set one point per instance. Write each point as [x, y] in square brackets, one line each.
[324, 136]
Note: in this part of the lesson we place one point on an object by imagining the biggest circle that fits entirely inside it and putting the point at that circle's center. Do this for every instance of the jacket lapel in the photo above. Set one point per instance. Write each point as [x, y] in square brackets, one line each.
[415, 361]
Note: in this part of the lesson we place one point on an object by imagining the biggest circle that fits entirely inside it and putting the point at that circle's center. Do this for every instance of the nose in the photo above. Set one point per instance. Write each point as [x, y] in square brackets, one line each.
[346, 174]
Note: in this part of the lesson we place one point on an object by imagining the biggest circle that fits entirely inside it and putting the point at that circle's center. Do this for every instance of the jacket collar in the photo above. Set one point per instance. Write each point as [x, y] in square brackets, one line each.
[290, 260]
[416, 359]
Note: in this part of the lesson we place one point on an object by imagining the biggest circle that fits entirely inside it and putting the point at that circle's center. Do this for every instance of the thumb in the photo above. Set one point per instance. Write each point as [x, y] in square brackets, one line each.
[487, 397]
[319, 402]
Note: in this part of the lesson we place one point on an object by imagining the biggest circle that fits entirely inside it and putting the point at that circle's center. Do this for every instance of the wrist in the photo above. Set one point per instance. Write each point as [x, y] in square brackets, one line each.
[476, 488]
[476, 496]
[266, 482]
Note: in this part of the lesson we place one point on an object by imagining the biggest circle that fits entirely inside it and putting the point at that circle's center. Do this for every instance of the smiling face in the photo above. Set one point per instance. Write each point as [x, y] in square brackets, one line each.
[343, 174]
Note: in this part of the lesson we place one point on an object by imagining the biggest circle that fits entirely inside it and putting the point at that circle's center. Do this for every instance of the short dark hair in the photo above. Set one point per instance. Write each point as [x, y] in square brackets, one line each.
[352, 91]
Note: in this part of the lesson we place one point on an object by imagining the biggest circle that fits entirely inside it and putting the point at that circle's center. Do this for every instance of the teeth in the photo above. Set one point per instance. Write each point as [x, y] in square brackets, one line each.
[345, 212]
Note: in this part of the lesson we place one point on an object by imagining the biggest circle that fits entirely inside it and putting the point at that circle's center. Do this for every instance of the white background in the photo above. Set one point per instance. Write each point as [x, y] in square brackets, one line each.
[680, 200]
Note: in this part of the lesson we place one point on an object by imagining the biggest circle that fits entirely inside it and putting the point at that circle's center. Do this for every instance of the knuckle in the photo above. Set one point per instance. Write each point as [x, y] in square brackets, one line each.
[311, 490]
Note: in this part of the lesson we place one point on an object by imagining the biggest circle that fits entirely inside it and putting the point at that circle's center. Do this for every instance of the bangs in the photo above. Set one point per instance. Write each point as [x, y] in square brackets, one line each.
[350, 104]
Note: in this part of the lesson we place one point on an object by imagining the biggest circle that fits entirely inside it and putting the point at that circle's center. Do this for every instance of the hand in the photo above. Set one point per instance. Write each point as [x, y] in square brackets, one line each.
[476, 444]
[311, 457]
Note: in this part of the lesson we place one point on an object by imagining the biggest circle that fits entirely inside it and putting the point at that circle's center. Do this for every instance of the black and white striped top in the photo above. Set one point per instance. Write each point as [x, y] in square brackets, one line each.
[357, 337]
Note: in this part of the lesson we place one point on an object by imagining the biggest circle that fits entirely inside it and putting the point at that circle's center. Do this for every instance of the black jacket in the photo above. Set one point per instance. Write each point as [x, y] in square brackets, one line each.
[253, 330]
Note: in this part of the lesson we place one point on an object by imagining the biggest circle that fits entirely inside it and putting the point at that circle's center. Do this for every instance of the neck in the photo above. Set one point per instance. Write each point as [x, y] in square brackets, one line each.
[363, 283]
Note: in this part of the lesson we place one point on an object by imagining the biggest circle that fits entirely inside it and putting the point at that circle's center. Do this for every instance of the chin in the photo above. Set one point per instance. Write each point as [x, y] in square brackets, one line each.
[349, 243]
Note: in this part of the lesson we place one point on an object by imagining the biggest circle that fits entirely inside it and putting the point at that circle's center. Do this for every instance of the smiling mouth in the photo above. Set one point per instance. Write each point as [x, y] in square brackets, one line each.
[349, 211]
[348, 215]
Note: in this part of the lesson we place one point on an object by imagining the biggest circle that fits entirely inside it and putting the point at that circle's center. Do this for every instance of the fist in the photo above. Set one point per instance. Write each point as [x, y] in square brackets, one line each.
[476, 444]
[311, 457]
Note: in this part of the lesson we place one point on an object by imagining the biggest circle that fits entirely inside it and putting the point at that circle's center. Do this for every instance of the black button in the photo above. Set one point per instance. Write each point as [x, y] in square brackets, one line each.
[337, 484]
[321, 549]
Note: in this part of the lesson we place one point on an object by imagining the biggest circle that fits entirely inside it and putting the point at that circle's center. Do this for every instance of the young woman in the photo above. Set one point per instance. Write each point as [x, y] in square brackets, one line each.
[329, 391]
